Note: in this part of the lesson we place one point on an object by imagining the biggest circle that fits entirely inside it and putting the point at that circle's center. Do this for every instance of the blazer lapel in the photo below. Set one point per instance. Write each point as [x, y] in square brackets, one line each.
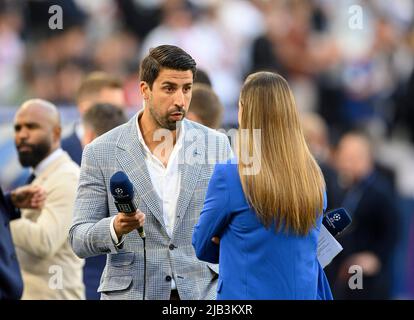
[190, 162]
[131, 157]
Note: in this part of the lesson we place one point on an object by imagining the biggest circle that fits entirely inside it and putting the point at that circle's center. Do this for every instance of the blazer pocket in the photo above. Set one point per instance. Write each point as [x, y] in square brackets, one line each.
[121, 259]
[115, 283]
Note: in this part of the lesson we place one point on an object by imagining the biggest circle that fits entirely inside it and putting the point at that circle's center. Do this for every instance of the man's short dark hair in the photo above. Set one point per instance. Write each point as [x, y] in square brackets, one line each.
[95, 82]
[102, 117]
[168, 57]
[202, 77]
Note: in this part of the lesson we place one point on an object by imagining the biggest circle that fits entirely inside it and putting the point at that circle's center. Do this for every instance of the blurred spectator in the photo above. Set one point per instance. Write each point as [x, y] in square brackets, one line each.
[370, 241]
[97, 87]
[202, 77]
[140, 16]
[316, 134]
[12, 50]
[205, 107]
[97, 120]
[50, 268]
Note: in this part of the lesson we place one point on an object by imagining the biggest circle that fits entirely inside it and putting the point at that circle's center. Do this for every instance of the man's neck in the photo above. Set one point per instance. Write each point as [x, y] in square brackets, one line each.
[148, 129]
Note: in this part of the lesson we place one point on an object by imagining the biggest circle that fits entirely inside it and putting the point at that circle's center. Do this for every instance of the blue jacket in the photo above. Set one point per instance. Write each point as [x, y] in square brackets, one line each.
[72, 145]
[255, 262]
[11, 283]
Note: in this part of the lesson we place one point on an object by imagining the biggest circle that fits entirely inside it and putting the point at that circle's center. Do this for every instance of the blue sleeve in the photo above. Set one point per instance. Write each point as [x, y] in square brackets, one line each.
[324, 290]
[213, 218]
[14, 213]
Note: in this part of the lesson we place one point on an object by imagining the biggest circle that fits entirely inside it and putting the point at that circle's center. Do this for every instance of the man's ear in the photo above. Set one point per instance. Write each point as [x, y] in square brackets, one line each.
[57, 132]
[88, 136]
[144, 89]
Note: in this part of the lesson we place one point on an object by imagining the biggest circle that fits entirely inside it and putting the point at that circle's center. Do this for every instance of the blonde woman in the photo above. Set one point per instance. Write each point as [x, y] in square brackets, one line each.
[261, 220]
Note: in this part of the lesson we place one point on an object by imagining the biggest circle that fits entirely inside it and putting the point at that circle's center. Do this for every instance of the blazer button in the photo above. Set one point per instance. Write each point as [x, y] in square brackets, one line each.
[168, 278]
[172, 246]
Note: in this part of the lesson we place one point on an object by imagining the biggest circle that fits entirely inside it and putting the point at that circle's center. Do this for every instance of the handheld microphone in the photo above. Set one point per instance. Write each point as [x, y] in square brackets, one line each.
[336, 221]
[123, 193]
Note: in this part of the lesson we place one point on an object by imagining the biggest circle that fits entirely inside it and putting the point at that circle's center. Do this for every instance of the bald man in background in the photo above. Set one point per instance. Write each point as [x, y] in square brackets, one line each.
[50, 269]
[97, 87]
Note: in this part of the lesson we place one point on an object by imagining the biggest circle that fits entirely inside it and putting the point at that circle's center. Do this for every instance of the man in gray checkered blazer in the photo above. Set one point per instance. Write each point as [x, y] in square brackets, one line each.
[169, 161]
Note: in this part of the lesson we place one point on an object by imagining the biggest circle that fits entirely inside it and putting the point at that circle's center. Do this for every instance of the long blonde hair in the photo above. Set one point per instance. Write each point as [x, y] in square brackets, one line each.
[288, 189]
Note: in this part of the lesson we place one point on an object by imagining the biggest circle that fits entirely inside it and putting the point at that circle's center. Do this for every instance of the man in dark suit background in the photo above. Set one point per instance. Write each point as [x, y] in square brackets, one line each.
[11, 284]
[97, 87]
[370, 240]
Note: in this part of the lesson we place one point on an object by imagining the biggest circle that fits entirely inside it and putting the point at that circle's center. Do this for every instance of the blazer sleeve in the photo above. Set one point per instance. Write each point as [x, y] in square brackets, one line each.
[12, 212]
[214, 218]
[90, 233]
[45, 236]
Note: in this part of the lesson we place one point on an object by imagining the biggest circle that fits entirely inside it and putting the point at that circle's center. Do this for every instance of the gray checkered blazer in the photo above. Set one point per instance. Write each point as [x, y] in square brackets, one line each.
[90, 235]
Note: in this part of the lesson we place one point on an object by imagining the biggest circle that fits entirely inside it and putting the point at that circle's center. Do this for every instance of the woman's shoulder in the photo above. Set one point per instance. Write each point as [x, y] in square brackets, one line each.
[228, 166]
[228, 171]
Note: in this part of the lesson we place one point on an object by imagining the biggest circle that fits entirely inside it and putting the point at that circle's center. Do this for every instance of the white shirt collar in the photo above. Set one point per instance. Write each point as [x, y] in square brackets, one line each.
[41, 167]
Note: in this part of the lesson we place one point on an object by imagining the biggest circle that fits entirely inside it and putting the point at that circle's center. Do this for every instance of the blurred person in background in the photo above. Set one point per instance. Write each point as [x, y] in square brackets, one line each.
[205, 107]
[203, 78]
[316, 134]
[97, 87]
[26, 197]
[50, 268]
[12, 50]
[97, 120]
[370, 240]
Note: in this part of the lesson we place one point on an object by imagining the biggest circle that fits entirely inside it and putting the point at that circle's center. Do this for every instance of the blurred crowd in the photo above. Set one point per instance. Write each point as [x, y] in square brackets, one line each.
[346, 74]
[350, 73]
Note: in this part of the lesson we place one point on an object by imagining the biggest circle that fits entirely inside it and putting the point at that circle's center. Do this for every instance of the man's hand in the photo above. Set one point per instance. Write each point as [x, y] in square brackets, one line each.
[125, 223]
[28, 197]
[216, 240]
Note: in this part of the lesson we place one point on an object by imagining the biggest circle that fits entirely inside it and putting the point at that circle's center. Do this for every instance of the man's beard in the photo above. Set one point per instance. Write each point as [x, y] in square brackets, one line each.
[33, 157]
[164, 121]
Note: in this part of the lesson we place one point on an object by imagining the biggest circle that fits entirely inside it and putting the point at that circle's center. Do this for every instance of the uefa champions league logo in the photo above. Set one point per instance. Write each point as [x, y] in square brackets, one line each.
[335, 218]
[119, 191]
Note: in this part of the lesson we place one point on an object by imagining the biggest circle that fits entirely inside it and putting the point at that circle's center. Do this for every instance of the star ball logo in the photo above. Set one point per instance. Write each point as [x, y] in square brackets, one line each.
[119, 191]
[337, 217]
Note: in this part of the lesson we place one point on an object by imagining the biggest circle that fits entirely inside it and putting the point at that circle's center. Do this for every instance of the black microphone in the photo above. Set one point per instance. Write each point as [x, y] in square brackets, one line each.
[336, 221]
[123, 193]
